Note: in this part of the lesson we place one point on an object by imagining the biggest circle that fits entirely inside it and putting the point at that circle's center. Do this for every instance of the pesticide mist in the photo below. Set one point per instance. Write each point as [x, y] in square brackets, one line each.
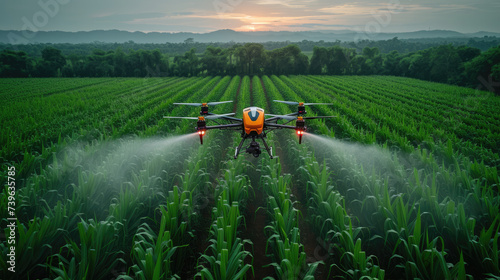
[93, 174]
[356, 166]
[367, 156]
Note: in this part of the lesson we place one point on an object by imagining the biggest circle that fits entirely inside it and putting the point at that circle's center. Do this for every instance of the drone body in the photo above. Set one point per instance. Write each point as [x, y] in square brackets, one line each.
[253, 125]
[253, 120]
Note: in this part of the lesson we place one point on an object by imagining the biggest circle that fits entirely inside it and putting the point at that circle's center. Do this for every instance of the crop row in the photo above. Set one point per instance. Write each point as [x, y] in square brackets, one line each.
[102, 203]
[405, 237]
[409, 114]
[87, 179]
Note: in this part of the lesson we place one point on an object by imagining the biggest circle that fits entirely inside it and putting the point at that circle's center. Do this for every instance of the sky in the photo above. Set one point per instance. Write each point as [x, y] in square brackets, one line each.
[201, 16]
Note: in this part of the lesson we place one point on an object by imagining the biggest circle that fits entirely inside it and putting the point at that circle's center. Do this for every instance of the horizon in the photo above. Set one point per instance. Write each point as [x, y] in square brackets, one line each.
[393, 16]
[347, 31]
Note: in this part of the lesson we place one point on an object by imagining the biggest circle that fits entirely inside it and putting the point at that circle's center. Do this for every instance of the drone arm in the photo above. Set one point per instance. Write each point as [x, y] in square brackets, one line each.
[224, 126]
[232, 119]
[279, 125]
[227, 117]
[299, 129]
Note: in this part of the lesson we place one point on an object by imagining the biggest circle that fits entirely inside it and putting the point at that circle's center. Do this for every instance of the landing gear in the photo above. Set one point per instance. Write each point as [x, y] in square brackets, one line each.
[254, 147]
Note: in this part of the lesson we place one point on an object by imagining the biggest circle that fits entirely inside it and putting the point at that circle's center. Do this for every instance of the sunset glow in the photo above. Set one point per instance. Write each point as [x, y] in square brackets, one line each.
[261, 15]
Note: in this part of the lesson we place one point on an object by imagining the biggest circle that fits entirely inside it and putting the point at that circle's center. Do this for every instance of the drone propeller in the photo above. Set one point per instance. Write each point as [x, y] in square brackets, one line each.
[291, 118]
[203, 104]
[285, 117]
[300, 103]
[209, 117]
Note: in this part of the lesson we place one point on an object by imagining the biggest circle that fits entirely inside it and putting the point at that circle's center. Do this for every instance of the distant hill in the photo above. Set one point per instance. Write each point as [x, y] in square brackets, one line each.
[227, 35]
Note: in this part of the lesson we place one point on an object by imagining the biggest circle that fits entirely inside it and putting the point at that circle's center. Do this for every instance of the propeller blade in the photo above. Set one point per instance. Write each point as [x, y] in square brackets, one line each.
[200, 104]
[216, 103]
[186, 118]
[318, 103]
[285, 117]
[214, 117]
[297, 103]
[209, 117]
[319, 117]
[189, 104]
[287, 102]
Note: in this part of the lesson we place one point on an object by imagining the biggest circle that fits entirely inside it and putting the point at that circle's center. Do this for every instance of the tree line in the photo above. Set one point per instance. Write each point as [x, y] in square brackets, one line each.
[461, 65]
[172, 49]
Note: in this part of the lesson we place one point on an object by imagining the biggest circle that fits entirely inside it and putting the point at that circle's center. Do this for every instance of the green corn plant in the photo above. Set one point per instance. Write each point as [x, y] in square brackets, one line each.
[283, 220]
[277, 188]
[127, 209]
[228, 219]
[195, 176]
[330, 215]
[88, 192]
[320, 186]
[428, 262]
[227, 264]
[291, 258]
[423, 257]
[226, 260]
[456, 226]
[458, 271]
[177, 213]
[94, 258]
[275, 184]
[353, 262]
[225, 256]
[152, 253]
[330, 219]
[236, 185]
[484, 251]
[40, 238]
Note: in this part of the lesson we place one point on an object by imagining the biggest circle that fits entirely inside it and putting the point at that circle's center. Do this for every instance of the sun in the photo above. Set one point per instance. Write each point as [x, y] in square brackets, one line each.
[248, 28]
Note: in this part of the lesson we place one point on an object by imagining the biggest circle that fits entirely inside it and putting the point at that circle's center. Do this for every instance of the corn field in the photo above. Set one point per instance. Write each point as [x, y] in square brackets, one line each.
[402, 184]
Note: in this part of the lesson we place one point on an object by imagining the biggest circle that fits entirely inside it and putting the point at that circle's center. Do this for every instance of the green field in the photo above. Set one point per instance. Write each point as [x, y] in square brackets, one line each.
[403, 183]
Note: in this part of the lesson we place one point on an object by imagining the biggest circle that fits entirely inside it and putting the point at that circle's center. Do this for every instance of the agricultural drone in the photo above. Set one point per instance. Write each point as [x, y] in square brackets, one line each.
[253, 125]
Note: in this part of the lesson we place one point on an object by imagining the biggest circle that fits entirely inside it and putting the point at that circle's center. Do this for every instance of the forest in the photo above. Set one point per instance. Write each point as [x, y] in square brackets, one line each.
[459, 65]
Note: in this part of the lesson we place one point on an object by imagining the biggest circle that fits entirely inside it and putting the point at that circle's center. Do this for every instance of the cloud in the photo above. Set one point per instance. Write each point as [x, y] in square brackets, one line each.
[127, 17]
[356, 9]
[316, 25]
[287, 3]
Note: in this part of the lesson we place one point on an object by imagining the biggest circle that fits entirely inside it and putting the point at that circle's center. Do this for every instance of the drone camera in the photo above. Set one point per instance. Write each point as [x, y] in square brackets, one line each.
[254, 149]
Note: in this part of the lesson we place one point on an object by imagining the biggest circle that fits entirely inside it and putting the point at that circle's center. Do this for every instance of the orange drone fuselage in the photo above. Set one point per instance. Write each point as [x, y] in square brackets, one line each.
[253, 120]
